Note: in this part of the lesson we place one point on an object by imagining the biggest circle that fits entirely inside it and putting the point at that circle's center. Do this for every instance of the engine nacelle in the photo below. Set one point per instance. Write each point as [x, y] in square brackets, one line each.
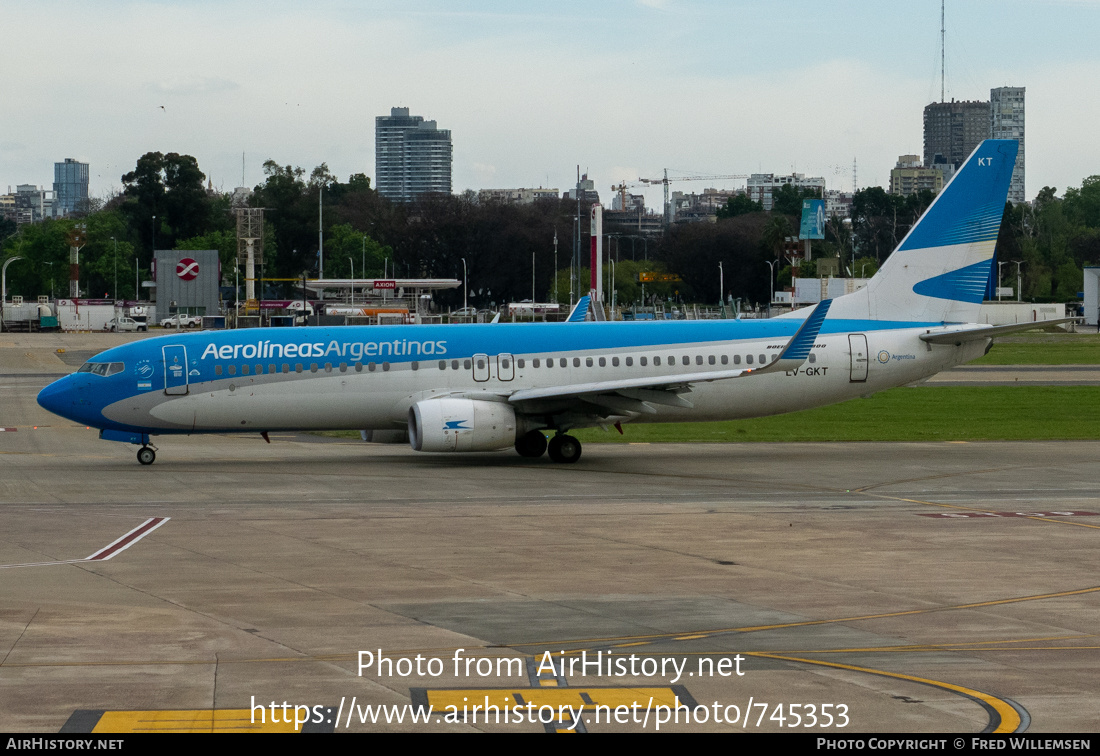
[461, 425]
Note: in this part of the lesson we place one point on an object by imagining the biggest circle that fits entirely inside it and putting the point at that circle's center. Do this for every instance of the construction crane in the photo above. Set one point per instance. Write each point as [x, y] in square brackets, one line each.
[666, 181]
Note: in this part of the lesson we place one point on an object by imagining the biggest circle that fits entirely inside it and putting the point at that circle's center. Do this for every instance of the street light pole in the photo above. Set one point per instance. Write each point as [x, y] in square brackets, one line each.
[352, 263]
[1019, 281]
[721, 285]
[465, 287]
[116, 267]
[771, 282]
[51, 279]
[999, 264]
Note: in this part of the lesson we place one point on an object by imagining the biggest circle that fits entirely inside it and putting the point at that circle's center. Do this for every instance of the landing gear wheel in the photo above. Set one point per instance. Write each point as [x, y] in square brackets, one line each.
[531, 445]
[146, 455]
[564, 449]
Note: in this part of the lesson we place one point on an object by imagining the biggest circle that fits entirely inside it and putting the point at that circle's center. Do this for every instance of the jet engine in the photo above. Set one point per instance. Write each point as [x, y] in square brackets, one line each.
[461, 425]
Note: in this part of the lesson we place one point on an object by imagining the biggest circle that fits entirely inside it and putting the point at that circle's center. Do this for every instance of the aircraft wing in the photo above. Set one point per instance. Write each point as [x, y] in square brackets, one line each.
[637, 395]
[960, 336]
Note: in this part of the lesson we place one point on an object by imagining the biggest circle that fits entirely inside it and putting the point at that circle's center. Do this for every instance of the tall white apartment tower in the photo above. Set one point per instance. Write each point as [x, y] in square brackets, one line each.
[1006, 121]
[411, 156]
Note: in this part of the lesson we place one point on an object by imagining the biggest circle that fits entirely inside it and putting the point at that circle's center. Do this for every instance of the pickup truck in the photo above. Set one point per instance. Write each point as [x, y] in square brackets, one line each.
[184, 321]
[125, 324]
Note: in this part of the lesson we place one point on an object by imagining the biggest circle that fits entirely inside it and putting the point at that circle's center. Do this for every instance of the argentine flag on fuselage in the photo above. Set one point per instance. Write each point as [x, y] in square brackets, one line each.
[939, 271]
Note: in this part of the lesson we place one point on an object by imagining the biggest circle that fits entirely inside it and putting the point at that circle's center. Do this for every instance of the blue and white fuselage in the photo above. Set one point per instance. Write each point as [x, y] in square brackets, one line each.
[482, 387]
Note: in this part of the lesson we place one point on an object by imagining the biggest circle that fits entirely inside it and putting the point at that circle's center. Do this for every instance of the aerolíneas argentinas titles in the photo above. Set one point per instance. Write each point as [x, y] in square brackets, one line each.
[471, 388]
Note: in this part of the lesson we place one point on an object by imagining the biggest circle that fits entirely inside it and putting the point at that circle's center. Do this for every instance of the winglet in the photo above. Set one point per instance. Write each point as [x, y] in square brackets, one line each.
[798, 348]
[580, 310]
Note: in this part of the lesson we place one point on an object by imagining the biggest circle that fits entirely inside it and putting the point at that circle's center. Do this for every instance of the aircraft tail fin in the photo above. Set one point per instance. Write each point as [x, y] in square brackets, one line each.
[580, 310]
[939, 271]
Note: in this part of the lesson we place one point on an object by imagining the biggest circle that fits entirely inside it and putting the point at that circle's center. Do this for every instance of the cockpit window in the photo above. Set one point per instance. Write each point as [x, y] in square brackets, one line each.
[102, 368]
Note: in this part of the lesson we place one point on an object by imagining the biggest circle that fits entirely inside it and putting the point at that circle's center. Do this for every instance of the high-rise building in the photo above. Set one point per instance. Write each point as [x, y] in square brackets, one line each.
[953, 129]
[1006, 121]
[909, 176]
[70, 186]
[760, 186]
[411, 156]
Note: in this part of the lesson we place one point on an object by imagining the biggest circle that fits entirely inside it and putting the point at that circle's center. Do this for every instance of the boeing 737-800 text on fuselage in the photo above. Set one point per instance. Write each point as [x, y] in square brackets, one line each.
[468, 388]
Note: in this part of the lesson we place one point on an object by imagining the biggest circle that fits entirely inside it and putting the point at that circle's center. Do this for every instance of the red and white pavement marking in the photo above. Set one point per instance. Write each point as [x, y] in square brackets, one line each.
[8, 430]
[971, 515]
[108, 551]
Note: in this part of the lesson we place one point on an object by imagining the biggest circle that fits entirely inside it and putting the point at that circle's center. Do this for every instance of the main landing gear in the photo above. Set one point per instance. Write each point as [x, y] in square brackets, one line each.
[146, 455]
[562, 448]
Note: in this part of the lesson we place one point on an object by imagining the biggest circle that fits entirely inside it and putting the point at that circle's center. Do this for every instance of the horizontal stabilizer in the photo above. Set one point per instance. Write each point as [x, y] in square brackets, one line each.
[963, 335]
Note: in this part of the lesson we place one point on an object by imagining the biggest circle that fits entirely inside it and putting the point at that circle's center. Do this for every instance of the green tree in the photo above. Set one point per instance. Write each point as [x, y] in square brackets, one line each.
[787, 199]
[739, 204]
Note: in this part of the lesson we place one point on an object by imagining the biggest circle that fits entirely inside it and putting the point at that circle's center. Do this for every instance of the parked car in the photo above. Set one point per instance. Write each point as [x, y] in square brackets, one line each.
[125, 324]
[182, 321]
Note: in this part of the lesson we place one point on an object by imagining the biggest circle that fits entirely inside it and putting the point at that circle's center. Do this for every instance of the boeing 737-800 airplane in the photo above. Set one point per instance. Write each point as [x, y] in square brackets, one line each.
[468, 388]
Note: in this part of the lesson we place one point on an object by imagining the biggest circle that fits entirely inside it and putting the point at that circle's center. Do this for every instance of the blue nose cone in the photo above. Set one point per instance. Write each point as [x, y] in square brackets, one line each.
[58, 398]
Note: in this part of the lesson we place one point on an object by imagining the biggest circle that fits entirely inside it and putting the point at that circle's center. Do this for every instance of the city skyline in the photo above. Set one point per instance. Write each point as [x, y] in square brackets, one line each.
[624, 90]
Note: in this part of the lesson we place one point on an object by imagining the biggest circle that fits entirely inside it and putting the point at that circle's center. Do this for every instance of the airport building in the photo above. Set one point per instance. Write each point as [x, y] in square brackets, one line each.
[187, 281]
[1006, 121]
[411, 156]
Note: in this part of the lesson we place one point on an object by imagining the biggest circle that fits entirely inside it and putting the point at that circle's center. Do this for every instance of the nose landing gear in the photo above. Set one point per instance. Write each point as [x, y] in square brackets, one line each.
[147, 455]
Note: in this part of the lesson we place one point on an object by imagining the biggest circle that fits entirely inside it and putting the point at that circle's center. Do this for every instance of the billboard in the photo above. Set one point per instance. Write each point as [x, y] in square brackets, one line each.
[813, 219]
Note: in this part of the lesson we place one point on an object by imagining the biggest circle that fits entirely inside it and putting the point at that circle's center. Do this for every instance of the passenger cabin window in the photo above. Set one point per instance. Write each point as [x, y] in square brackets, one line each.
[414, 365]
[286, 368]
[534, 362]
[371, 366]
[244, 369]
[710, 359]
[466, 364]
[614, 362]
[313, 367]
[587, 362]
[699, 359]
[763, 359]
[442, 364]
[736, 359]
[748, 359]
[563, 362]
[656, 361]
[232, 369]
[603, 362]
[577, 361]
[686, 360]
[813, 358]
[297, 367]
[630, 361]
[217, 370]
[385, 367]
[725, 359]
[343, 367]
[328, 367]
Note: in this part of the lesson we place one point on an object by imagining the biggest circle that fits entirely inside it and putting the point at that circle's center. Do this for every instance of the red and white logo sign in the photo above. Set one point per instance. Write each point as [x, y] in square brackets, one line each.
[385, 284]
[187, 269]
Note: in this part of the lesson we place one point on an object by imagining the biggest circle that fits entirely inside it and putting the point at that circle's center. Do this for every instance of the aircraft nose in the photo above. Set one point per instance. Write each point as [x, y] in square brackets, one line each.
[56, 397]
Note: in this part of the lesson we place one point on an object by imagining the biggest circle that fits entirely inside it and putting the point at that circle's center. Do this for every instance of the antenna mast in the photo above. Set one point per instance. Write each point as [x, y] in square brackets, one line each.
[943, 39]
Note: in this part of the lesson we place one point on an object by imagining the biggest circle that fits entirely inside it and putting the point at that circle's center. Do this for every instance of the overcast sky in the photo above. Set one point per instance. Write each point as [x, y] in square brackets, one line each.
[625, 88]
